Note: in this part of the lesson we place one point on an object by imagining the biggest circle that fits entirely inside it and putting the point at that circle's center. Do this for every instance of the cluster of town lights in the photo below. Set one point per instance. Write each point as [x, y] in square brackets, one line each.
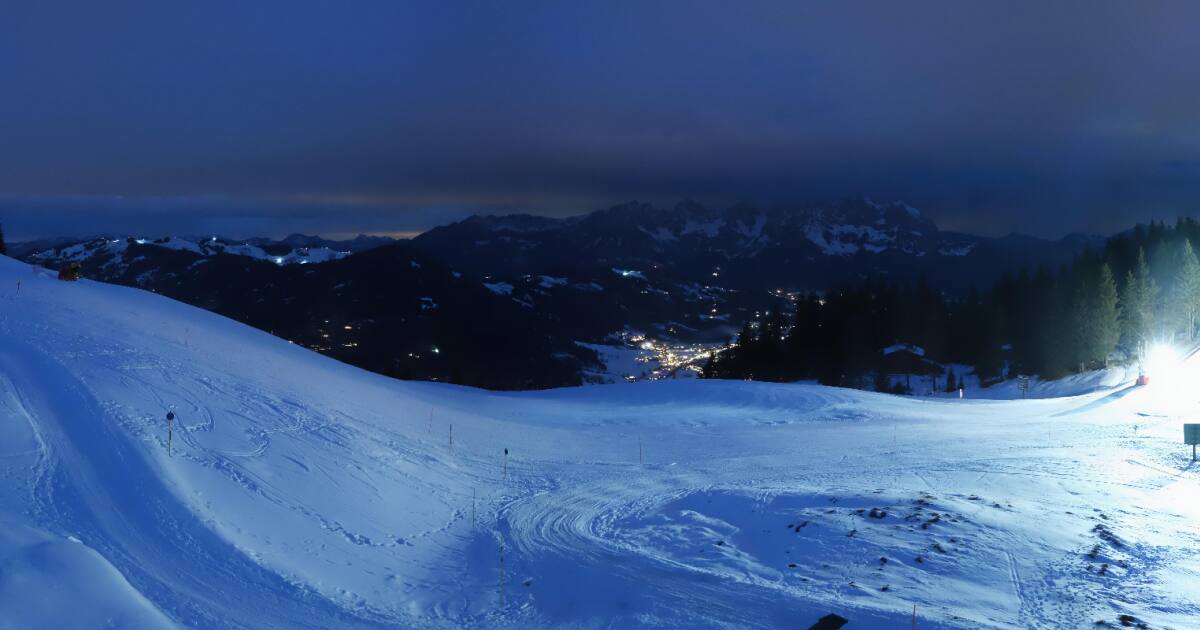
[671, 358]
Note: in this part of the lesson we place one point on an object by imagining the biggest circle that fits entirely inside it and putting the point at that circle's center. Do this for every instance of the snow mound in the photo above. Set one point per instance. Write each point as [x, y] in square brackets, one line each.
[50, 582]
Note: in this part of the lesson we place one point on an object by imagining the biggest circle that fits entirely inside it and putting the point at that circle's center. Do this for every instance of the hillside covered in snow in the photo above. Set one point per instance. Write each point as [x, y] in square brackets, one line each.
[564, 295]
[293, 491]
[796, 247]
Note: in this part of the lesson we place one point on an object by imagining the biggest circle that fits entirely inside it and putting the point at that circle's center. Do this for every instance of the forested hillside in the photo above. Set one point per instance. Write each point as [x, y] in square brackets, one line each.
[1141, 288]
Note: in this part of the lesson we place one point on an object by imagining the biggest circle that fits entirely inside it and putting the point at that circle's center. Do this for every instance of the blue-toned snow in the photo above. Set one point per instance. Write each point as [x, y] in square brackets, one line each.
[301, 492]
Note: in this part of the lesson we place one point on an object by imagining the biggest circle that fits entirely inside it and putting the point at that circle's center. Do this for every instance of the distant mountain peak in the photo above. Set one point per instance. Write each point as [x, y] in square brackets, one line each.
[294, 249]
[807, 245]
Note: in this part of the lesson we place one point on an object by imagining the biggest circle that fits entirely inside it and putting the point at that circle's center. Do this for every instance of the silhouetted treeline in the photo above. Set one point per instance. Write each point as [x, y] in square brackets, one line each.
[1109, 305]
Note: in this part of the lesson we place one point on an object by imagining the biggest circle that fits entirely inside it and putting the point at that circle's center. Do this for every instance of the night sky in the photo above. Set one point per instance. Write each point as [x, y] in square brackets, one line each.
[269, 117]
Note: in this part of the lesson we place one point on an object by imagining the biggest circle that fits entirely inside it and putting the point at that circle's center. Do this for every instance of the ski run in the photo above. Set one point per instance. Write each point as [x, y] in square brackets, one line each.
[299, 492]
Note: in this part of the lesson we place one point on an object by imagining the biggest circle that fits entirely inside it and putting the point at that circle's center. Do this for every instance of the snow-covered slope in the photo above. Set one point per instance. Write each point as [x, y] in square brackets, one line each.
[300, 492]
[109, 250]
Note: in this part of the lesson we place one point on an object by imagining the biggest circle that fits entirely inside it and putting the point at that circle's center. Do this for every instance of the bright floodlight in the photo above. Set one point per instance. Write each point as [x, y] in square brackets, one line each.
[1162, 360]
[1172, 381]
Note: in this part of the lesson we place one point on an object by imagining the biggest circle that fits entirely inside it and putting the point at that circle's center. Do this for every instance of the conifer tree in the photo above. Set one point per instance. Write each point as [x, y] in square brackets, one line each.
[710, 367]
[990, 363]
[1107, 314]
[1149, 296]
[1187, 291]
[3, 247]
[881, 381]
[1081, 329]
[1132, 326]
[1139, 295]
[1096, 318]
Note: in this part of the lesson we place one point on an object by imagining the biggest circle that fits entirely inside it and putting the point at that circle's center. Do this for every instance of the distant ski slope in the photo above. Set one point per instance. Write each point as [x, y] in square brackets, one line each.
[301, 492]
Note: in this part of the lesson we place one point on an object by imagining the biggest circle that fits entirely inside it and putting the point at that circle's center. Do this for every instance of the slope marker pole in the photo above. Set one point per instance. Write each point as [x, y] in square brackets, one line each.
[170, 430]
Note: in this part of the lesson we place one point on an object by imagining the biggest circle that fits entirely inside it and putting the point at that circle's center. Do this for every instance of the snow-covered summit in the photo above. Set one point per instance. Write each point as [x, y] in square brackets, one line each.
[109, 248]
[806, 246]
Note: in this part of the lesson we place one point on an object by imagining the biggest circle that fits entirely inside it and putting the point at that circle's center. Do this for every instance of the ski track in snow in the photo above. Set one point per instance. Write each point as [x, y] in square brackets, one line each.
[304, 493]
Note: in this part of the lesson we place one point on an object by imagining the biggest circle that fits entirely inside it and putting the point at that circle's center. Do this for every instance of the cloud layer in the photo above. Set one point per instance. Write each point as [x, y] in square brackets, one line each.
[1036, 117]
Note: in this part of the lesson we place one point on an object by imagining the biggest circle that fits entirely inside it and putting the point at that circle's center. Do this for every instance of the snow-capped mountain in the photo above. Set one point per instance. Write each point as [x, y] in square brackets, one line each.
[116, 250]
[679, 281]
[796, 247]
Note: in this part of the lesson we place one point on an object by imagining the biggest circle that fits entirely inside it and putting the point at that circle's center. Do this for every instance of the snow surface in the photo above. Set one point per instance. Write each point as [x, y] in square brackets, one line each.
[958, 250]
[301, 255]
[917, 350]
[847, 240]
[549, 282]
[708, 228]
[629, 273]
[301, 492]
[620, 363]
[499, 288]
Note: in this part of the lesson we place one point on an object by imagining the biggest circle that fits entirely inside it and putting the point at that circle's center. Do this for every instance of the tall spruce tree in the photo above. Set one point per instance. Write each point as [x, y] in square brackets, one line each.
[1107, 315]
[1132, 326]
[1096, 317]
[3, 247]
[1138, 298]
[1186, 296]
[1148, 296]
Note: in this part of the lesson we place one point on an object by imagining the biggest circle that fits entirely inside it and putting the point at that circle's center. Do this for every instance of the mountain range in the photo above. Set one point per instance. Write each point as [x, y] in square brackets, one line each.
[524, 301]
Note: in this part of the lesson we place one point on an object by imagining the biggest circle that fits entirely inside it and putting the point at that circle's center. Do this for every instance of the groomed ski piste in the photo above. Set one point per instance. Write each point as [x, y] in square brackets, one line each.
[303, 493]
